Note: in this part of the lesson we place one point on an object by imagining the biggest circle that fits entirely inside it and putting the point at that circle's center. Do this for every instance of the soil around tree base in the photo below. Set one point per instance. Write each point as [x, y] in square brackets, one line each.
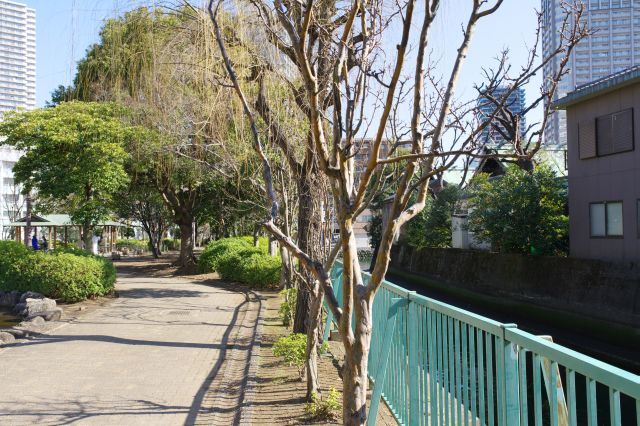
[279, 396]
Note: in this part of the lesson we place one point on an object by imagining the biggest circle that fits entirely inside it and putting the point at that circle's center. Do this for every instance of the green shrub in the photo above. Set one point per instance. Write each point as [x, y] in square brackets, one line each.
[288, 306]
[258, 269]
[236, 259]
[293, 349]
[171, 244]
[66, 274]
[214, 251]
[132, 245]
[324, 409]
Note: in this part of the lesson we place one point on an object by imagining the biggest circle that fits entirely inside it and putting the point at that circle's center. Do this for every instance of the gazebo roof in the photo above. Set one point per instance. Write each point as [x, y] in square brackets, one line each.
[55, 220]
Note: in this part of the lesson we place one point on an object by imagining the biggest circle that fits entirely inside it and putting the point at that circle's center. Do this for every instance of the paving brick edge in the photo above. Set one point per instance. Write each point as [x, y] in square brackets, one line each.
[251, 389]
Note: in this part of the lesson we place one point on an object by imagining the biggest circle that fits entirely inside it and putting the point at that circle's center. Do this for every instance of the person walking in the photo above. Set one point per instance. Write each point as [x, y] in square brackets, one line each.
[45, 243]
[34, 242]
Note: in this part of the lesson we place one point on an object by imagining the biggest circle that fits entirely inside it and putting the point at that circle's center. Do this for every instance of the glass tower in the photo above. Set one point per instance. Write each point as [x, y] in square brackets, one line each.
[17, 91]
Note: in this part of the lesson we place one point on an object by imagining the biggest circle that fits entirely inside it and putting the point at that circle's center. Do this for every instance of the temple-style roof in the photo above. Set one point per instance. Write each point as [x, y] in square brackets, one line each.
[55, 220]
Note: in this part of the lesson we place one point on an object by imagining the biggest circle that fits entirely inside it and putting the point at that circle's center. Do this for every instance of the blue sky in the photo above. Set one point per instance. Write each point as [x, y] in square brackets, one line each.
[65, 28]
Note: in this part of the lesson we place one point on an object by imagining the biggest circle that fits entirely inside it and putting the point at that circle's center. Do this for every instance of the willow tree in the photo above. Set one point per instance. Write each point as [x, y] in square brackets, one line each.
[337, 50]
[160, 63]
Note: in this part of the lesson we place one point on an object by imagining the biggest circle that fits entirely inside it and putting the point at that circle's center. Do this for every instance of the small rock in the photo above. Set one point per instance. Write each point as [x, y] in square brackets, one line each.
[38, 321]
[30, 295]
[53, 315]
[6, 338]
[33, 324]
[16, 332]
[82, 308]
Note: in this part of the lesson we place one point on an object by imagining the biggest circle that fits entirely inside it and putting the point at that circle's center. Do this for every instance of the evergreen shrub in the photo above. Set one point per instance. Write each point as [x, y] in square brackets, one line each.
[236, 259]
[132, 245]
[66, 274]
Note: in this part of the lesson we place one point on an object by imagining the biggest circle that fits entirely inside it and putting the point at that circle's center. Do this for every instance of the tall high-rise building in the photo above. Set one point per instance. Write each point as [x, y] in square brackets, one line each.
[17, 91]
[614, 46]
[514, 103]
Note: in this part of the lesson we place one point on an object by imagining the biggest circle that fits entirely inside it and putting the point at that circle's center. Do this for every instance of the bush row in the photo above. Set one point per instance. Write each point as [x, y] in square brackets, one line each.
[65, 274]
[132, 245]
[236, 259]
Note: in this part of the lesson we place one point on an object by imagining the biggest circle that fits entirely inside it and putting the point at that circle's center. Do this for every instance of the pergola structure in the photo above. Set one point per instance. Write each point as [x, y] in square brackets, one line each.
[56, 222]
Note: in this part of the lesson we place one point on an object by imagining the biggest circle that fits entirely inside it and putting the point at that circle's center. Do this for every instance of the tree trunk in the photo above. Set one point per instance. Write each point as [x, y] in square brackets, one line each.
[313, 341]
[354, 372]
[286, 274]
[355, 378]
[187, 258]
[87, 237]
[308, 312]
[256, 235]
[307, 244]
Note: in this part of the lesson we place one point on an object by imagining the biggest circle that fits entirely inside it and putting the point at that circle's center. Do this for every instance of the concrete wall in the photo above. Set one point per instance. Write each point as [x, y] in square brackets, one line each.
[596, 289]
[609, 178]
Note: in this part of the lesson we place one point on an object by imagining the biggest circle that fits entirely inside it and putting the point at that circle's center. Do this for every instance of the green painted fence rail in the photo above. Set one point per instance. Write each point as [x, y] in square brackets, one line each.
[435, 364]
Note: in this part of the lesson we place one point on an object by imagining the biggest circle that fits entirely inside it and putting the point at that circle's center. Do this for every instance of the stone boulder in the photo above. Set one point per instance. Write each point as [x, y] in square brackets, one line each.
[52, 315]
[9, 298]
[6, 338]
[34, 307]
[30, 295]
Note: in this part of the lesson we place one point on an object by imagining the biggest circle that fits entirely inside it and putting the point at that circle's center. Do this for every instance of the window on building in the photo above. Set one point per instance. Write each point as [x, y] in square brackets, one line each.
[605, 219]
[608, 134]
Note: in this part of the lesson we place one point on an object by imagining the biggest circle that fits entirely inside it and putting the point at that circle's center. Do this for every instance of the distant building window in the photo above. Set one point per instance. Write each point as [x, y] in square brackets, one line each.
[606, 135]
[606, 219]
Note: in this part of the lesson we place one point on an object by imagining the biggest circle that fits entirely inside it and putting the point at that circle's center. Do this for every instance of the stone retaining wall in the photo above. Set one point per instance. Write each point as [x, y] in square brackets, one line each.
[597, 289]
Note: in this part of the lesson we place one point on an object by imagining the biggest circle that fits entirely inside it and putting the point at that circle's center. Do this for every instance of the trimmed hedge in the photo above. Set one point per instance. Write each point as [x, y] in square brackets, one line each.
[65, 274]
[133, 245]
[236, 259]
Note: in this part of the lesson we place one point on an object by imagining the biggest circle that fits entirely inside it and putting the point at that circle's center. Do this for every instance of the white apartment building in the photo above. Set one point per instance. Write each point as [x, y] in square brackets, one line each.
[17, 91]
[614, 46]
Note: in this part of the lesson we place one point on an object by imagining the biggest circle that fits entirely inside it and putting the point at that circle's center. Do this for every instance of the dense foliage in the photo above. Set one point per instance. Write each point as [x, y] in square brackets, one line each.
[293, 349]
[288, 306]
[432, 227]
[132, 244]
[65, 274]
[521, 212]
[324, 409]
[236, 259]
[73, 152]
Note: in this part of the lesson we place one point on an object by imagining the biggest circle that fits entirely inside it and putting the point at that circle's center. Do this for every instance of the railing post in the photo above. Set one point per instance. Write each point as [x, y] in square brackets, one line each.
[336, 275]
[413, 346]
[510, 386]
[380, 372]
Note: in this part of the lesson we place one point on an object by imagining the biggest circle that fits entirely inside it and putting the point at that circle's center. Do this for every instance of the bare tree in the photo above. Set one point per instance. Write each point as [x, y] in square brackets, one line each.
[341, 67]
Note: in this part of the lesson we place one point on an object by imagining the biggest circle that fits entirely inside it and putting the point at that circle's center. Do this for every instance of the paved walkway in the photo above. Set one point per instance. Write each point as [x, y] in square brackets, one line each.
[164, 353]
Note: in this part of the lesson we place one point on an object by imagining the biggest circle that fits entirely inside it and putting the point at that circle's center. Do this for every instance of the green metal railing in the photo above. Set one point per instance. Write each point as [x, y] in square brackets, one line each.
[435, 364]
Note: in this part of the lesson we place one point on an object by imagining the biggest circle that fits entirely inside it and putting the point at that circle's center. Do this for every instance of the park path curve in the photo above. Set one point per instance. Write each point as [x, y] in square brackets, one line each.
[164, 353]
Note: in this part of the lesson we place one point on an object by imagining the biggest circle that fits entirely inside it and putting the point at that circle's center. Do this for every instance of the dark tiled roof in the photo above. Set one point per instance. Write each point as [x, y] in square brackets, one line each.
[599, 87]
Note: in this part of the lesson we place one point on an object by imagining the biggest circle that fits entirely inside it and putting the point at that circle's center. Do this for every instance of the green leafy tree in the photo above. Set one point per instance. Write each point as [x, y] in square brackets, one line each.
[74, 153]
[432, 227]
[521, 212]
[141, 202]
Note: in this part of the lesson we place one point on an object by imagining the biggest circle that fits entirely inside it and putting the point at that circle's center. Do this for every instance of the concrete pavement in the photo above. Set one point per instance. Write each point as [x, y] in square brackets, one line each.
[163, 353]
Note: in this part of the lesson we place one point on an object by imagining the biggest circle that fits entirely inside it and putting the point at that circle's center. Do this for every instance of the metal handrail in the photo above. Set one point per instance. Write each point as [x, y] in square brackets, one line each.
[436, 364]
